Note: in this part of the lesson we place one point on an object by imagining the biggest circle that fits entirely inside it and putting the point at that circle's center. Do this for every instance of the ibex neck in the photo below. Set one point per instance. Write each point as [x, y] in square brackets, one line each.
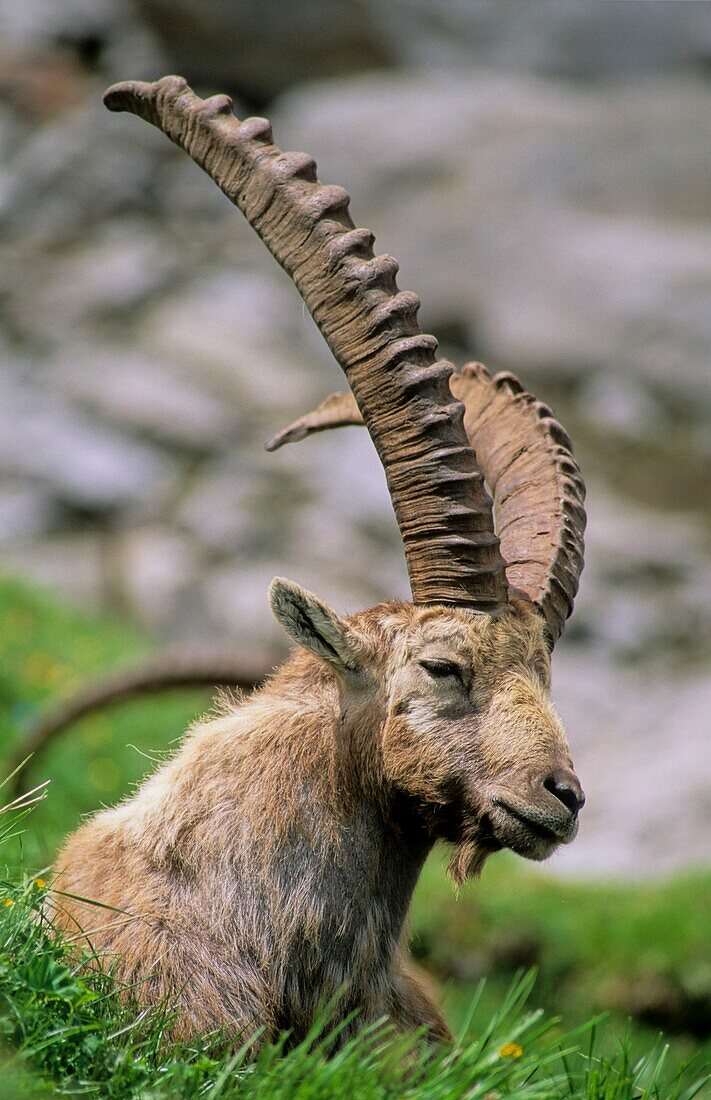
[342, 830]
[283, 848]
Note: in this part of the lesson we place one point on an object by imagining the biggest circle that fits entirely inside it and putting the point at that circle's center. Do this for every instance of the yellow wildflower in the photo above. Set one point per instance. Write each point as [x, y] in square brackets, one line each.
[40, 883]
[8, 902]
[511, 1050]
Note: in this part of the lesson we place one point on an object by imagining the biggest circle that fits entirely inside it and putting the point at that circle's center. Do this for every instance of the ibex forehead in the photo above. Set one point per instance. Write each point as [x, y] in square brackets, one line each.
[512, 635]
[413, 625]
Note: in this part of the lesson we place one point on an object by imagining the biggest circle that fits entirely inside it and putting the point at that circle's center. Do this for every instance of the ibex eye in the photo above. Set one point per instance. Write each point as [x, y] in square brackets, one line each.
[441, 669]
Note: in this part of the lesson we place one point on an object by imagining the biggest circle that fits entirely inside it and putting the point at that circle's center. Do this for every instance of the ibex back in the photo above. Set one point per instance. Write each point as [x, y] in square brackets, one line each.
[271, 862]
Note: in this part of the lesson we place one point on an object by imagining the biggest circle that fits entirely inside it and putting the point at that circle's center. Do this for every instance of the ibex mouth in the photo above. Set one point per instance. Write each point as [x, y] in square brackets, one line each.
[530, 831]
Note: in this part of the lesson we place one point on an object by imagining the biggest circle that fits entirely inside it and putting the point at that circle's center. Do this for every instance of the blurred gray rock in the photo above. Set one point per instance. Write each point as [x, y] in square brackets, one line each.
[83, 463]
[641, 746]
[157, 566]
[105, 34]
[646, 591]
[551, 226]
[74, 564]
[263, 47]
[582, 41]
[240, 334]
[617, 403]
[26, 510]
[144, 396]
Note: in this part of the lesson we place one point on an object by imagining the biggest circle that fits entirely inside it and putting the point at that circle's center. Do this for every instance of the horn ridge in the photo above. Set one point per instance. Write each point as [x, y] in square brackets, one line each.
[527, 460]
[371, 328]
[538, 489]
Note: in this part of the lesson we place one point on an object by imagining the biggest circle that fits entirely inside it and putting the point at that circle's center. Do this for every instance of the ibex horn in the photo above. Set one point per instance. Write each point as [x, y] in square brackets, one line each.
[442, 507]
[527, 461]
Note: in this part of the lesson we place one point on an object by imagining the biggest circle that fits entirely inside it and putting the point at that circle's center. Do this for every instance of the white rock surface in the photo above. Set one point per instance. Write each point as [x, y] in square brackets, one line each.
[640, 745]
[552, 224]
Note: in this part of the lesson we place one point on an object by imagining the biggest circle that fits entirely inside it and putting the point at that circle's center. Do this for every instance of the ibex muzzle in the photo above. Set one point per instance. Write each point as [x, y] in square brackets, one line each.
[273, 859]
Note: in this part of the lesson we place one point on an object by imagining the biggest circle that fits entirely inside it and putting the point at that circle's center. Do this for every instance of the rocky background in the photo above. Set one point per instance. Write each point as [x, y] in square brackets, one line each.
[540, 171]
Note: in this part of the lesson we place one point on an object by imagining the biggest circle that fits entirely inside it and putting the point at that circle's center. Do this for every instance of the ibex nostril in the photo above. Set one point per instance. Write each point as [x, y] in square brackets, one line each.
[566, 788]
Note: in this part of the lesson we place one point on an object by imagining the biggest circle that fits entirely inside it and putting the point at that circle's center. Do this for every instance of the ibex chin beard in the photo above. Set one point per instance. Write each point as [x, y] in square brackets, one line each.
[508, 822]
[469, 855]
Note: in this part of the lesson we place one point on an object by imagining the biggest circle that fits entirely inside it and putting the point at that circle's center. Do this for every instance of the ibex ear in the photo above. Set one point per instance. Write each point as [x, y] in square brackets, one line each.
[313, 624]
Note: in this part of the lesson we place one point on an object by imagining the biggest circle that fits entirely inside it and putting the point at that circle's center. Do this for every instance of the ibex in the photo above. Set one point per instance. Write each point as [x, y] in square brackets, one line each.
[271, 862]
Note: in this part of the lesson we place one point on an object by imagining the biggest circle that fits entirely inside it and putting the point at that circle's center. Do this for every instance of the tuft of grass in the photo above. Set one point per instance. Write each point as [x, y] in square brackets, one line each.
[637, 949]
[71, 1031]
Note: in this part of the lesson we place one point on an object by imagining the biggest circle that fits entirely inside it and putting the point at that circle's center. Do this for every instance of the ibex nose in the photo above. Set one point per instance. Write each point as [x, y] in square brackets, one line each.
[564, 784]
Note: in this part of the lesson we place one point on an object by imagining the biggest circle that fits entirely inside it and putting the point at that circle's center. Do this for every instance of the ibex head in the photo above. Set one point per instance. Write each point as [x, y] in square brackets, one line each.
[448, 696]
[446, 714]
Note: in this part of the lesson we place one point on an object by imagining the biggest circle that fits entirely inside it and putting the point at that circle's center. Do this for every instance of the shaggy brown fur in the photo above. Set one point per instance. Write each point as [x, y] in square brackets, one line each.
[272, 860]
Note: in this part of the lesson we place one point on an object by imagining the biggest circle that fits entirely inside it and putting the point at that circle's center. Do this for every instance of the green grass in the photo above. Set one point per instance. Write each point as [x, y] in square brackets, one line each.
[68, 1031]
[637, 949]
[46, 650]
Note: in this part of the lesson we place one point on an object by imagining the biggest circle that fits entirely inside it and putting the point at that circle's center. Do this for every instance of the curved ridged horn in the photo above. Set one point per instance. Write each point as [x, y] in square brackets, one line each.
[539, 493]
[442, 507]
[337, 411]
[527, 460]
